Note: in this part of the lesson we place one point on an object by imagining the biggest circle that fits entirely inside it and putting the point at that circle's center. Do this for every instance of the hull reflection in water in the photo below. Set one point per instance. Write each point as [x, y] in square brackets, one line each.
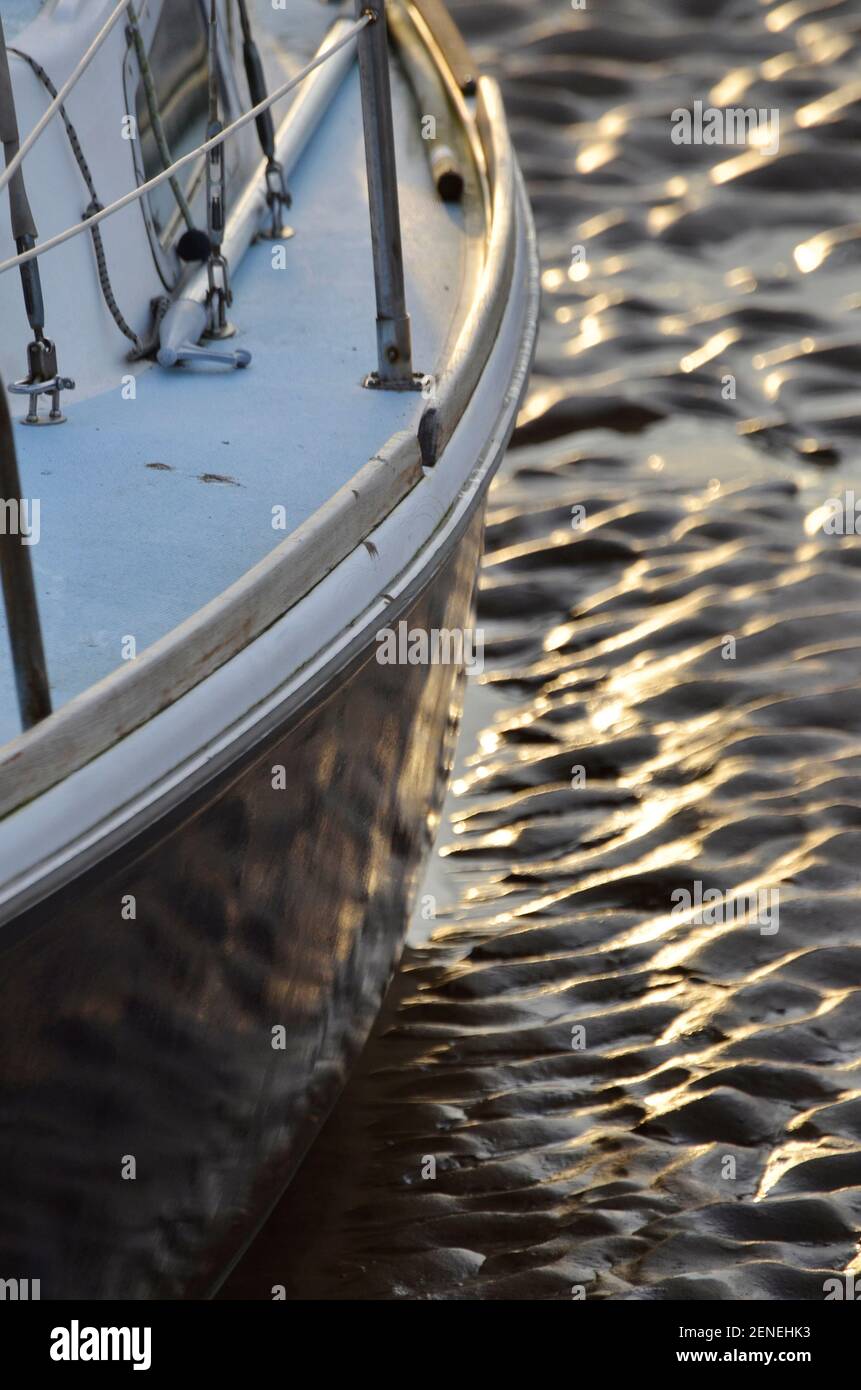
[208, 849]
[145, 1047]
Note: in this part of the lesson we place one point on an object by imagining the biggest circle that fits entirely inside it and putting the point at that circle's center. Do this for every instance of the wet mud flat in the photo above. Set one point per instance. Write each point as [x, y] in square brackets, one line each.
[574, 1082]
[624, 1060]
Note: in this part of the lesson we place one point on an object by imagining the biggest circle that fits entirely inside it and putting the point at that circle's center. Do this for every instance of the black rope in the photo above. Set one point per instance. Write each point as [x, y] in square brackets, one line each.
[94, 207]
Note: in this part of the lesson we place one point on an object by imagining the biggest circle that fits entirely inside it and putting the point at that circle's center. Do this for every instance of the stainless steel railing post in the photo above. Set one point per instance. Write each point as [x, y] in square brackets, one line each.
[394, 345]
[19, 590]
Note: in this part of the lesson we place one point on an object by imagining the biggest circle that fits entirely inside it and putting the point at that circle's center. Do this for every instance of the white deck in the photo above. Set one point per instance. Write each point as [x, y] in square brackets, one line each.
[127, 549]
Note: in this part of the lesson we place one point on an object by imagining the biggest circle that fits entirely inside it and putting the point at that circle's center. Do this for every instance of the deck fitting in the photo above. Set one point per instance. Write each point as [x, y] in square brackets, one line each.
[374, 382]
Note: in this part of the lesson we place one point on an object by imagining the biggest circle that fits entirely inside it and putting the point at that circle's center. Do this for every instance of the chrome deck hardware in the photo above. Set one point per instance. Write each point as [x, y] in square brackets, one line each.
[394, 370]
[42, 377]
[220, 295]
[181, 329]
[278, 198]
[277, 193]
[190, 352]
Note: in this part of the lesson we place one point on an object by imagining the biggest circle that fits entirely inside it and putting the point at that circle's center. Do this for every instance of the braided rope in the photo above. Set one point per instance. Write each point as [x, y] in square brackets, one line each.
[94, 207]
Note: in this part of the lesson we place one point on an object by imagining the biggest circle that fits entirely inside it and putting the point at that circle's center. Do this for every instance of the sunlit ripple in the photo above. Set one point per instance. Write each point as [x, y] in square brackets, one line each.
[606, 653]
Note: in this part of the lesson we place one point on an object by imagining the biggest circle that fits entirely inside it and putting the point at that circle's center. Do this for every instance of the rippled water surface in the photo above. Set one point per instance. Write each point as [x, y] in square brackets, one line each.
[671, 698]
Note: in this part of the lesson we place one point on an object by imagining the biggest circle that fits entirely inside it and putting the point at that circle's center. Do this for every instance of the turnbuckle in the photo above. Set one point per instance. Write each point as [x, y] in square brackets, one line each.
[218, 299]
[278, 197]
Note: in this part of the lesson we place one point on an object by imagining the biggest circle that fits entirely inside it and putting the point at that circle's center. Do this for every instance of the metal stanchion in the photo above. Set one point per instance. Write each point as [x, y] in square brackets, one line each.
[394, 345]
[19, 590]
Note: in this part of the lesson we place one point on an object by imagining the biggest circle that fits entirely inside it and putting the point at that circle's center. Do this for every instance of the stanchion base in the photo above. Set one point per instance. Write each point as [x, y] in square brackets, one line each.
[374, 382]
[276, 233]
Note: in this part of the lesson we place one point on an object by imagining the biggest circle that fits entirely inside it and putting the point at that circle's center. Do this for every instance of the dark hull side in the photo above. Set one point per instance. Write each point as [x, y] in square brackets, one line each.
[145, 1045]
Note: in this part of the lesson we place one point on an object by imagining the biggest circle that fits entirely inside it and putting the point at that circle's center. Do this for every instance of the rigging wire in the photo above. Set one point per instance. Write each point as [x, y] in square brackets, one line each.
[277, 195]
[220, 294]
[137, 193]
